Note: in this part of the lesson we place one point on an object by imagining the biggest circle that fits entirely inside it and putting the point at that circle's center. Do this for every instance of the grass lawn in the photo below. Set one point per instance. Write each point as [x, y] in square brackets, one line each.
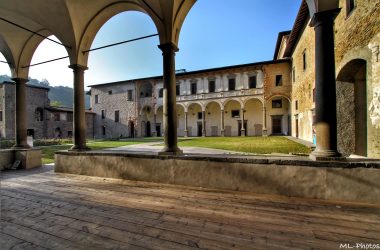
[48, 151]
[258, 145]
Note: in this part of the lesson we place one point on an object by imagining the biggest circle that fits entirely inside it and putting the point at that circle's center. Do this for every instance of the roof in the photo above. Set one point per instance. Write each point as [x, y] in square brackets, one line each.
[279, 40]
[299, 24]
[196, 72]
[64, 109]
[28, 85]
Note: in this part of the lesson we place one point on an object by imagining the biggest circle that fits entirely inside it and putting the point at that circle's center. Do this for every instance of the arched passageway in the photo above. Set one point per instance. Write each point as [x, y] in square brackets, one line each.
[213, 119]
[352, 108]
[278, 115]
[254, 116]
[195, 120]
[233, 116]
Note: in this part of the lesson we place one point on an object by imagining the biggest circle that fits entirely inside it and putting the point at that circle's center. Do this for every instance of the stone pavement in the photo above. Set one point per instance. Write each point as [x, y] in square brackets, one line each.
[41, 209]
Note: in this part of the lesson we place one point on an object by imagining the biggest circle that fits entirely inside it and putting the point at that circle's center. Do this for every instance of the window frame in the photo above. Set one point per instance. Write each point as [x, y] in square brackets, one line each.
[350, 7]
[96, 97]
[193, 86]
[237, 113]
[278, 105]
[213, 84]
[278, 80]
[250, 82]
[117, 116]
[231, 81]
[103, 114]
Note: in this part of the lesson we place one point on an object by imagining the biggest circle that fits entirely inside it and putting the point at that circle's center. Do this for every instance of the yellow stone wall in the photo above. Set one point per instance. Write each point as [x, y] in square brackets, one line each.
[357, 36]
[303, 84]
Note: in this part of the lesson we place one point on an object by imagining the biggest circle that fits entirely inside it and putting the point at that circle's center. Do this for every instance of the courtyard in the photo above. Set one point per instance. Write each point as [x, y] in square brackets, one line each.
[41, 209]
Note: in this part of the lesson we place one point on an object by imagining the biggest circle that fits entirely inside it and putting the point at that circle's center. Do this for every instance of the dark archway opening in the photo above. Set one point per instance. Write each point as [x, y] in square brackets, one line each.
[352, 108]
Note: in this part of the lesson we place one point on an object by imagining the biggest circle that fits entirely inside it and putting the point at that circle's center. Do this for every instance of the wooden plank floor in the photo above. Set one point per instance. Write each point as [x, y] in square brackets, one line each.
[44, 210]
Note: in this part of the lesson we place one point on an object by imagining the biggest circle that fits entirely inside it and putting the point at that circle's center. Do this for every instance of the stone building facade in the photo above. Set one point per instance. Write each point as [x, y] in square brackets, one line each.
[44, 121]
[241, 100]
[357, 67]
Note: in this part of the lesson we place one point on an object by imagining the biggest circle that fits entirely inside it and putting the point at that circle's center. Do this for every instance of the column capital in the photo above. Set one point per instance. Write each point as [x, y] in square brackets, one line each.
[78, 67]
[168, 47]
[20, 80]
[324, 16]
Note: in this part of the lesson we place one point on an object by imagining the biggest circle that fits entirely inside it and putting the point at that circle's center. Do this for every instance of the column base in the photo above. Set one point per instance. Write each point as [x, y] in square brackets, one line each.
[21, 147]
[325, 155]
[186, 133]
[79, 148]
[222, 133]
[170, 152]
[265, 132]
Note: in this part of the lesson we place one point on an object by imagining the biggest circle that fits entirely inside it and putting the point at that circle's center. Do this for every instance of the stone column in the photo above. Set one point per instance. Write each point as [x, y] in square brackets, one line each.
[265, 132]
[242, 131]
[79, 124]
[203, 124]
[186, 132]
[21, 122]
[154, 125]
[169, 107]
[222, 122]
[325, 85]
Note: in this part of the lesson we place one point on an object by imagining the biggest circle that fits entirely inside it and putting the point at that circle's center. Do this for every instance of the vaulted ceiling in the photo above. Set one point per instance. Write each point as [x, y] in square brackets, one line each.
[76, 23]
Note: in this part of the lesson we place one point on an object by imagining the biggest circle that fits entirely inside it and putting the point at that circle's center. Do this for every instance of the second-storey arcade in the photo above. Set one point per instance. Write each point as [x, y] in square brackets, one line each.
[241, 100]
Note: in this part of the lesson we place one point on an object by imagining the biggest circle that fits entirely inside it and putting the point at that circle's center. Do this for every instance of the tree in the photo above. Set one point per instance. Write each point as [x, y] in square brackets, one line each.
[45, 82]
[56, 104]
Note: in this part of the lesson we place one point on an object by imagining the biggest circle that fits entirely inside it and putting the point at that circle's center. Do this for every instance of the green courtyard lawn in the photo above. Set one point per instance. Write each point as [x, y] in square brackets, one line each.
[257, 145]
[48, 151]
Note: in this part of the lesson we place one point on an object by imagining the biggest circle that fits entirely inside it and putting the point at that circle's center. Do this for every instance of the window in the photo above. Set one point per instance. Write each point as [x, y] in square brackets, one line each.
[110, 92]
[278, 80]
[277, 104]
[161, 93]
[313, 94]
[304, 59]
[252, 82]
[117, 118]
[69, 117]
[231, 84]
[56, 117]
[294, 74]
[103, 114]
[296, 105]
[200, 115]
[193, 88]
[96, 99]
[1, 115]
[104, 130]
[39, 114]
[211, 86]
[350, 6]
[130, 95]
[177, 89]
[235, 113]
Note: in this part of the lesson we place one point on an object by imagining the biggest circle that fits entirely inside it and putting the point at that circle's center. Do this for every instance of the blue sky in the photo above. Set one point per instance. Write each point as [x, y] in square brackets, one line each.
[215, 33]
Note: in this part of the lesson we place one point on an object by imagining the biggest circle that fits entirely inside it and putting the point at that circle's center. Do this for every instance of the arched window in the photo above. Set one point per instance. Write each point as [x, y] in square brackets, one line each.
[39, 114]
[161, 93]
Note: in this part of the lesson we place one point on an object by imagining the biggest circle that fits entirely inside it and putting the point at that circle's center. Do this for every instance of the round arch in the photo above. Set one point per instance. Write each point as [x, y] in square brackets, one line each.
[102, 16]
[214, 101]
[278, 96]
[351, 89]
[253, 98]
[233, 100]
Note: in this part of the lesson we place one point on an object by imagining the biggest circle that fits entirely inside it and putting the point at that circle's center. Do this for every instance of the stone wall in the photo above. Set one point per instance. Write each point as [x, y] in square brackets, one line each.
[357, 36]
[303, 84]
[110, 102]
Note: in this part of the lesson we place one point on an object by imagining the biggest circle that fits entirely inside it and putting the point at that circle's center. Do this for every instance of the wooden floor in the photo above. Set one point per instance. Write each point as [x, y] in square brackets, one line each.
[41, 209]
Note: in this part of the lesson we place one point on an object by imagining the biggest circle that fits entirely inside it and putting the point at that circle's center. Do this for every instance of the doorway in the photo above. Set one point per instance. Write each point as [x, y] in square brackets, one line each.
[131, 129]
[158, 129]
[148, 130]
[200, 128]
[277, 124]
[239, 128]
